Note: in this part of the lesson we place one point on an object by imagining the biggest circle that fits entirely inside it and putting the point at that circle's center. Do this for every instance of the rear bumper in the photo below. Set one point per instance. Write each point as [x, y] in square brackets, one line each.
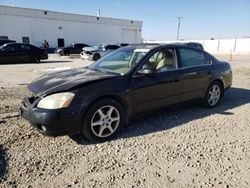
[45, 56]
[51, 122]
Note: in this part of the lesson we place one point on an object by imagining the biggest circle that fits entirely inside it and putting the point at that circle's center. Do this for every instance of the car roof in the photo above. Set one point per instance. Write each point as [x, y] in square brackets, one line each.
[144, 45]
[16, 43]
[10, 43]
[156, 45]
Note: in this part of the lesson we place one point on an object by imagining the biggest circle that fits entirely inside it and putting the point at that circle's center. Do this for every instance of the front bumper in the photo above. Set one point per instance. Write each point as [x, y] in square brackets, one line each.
[51, 122]
[86, 56]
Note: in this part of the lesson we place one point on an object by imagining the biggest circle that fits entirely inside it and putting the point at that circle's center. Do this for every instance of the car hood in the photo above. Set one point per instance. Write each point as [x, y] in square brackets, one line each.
[89, 49]
[65, 80]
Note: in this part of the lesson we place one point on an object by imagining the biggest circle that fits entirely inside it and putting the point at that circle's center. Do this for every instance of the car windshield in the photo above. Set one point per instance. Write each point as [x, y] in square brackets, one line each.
[120, 61]
[98, 46]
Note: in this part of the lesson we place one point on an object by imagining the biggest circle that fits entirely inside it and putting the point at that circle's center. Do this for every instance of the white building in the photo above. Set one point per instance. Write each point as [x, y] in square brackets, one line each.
[61, 29]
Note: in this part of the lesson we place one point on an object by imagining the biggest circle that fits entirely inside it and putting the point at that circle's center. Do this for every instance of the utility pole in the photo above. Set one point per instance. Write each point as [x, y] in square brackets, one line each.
[179, 24]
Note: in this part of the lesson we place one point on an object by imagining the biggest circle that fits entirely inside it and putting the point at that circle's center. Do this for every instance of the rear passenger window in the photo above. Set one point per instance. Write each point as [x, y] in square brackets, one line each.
[190, 58]
[25, 47]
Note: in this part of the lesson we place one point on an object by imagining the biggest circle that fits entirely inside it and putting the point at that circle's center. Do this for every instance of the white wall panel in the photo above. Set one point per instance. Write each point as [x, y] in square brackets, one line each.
[222, 46]
[18, 22]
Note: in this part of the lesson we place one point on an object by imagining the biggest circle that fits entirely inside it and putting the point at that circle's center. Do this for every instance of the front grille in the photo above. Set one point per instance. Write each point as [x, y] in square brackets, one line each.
[32, 99]
[29, 100]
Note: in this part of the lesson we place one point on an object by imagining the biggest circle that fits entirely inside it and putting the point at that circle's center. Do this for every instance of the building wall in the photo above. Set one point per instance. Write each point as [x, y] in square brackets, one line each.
[39, 25]
[220, 46]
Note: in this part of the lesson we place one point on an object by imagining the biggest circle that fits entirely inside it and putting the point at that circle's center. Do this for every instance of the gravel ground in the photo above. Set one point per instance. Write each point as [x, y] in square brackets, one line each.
[186, 146]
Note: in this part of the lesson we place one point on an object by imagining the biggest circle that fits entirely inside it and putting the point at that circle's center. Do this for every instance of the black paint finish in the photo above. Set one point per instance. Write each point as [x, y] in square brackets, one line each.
[136, 92]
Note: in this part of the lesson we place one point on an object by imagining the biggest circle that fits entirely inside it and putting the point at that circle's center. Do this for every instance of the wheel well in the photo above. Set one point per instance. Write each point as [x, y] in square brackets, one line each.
[221, 83]
[114, 97]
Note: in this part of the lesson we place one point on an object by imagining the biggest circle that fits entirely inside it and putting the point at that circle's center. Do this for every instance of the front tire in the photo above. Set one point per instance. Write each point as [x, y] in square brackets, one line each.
[96, 57]
[213, 95]
[103, 121]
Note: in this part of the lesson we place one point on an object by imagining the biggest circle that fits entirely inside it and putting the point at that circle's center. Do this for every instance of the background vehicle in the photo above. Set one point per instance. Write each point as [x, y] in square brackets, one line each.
[122, 44]
[2, 42]
[21, 53]
[97, 100]
[96, 52]
[75, 48]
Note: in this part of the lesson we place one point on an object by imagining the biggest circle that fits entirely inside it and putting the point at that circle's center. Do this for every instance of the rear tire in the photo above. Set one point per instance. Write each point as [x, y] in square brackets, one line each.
[213, 95]
[103, 120]
[36, 59]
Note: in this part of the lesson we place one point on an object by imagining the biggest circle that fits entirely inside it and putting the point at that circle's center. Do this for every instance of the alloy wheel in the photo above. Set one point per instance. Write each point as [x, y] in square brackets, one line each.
[105, 121]
[214, 95]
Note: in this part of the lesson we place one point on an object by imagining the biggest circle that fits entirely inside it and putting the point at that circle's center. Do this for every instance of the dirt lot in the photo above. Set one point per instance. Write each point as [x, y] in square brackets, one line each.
[187, 146]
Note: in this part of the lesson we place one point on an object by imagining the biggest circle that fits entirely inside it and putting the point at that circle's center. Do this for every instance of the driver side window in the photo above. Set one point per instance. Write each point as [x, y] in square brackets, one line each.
[161, 61]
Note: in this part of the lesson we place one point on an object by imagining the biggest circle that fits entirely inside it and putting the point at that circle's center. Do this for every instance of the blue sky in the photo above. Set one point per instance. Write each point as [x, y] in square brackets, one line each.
[201, 19]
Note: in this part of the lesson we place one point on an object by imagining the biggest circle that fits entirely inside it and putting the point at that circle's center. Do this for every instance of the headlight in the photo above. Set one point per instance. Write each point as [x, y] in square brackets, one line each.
[56, 101]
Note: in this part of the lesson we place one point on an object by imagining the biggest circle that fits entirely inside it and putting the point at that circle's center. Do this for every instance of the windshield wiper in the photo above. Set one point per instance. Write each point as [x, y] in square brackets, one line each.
[103, 70]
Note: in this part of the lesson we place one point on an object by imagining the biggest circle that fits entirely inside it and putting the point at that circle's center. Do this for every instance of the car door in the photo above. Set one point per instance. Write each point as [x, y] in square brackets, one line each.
[195, 73]
[8, 54]
[76, 49]
[24, 53]
[161, 88]
[70, 50]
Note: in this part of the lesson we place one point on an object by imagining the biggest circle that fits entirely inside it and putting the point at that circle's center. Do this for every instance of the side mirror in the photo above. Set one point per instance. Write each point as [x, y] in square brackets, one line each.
[146, 71]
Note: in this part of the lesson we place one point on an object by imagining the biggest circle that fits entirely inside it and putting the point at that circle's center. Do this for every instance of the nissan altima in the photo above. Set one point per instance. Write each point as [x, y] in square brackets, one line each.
[96, 101]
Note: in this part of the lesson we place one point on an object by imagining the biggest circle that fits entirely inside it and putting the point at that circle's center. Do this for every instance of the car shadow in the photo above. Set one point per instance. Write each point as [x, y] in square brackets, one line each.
[56, 61]
[164, 119]
[2, 164]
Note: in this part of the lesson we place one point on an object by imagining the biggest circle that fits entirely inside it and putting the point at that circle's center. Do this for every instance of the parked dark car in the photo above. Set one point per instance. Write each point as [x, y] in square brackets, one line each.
[96, 52]
[2, 42]
[21, 53]
[97, 100]
[72, 49]
[122, 44]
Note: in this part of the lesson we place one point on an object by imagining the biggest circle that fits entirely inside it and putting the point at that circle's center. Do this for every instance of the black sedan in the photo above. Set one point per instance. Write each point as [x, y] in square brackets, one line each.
[98, 100]
[2, 42]
[21, 53]
[75, 48]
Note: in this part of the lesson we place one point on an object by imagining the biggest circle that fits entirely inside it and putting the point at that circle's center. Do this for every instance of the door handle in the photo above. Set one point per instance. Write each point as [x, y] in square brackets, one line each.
[191, 74]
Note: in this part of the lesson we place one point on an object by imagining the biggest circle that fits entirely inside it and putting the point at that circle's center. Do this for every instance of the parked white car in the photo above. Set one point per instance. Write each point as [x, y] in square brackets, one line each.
[96, 52]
